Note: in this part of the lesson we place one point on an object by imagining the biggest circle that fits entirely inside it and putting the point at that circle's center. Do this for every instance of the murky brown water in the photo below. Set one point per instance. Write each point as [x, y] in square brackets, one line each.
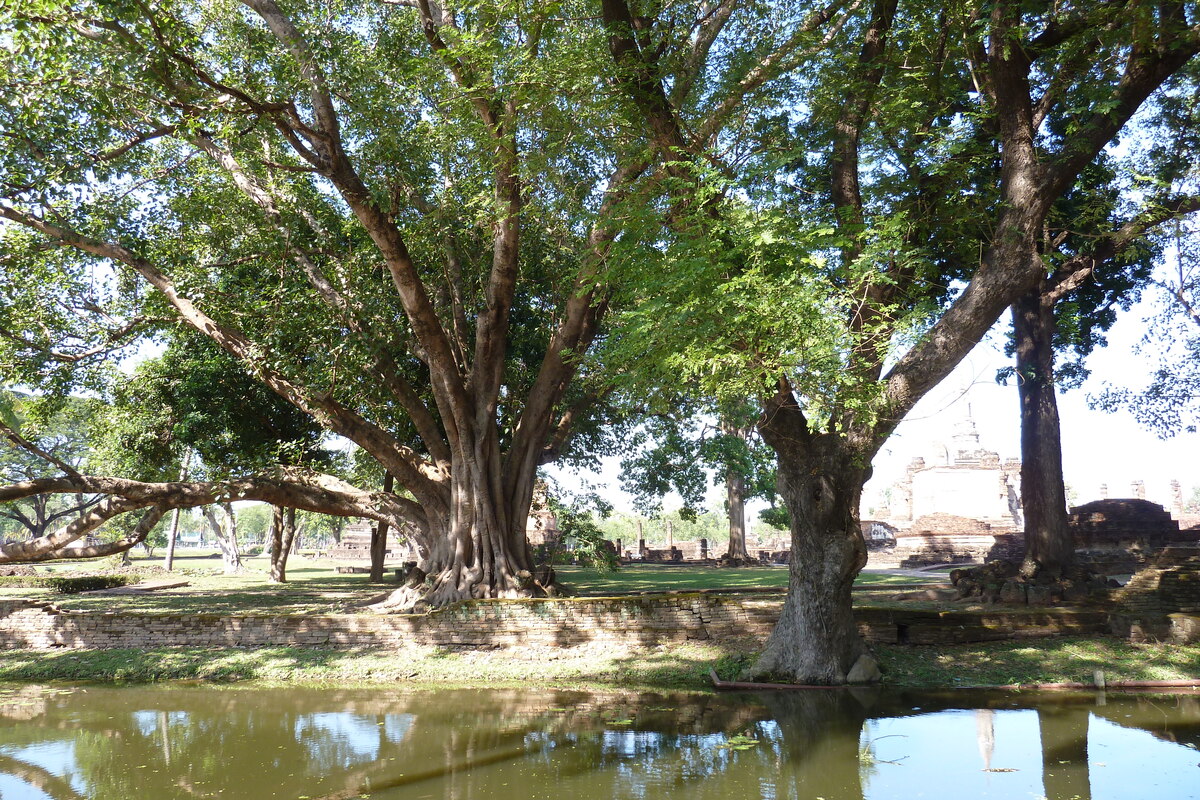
[204, 742]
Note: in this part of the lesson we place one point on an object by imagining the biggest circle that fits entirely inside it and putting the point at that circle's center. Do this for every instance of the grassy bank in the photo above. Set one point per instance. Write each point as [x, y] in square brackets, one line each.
[1039, 661]
[673, 666]
[676, 666]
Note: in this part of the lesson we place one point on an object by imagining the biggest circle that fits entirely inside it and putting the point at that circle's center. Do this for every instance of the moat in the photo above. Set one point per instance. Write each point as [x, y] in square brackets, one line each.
[234, 742]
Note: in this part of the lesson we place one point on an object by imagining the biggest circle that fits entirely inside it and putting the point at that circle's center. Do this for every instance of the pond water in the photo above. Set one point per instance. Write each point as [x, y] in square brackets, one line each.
[206, 742]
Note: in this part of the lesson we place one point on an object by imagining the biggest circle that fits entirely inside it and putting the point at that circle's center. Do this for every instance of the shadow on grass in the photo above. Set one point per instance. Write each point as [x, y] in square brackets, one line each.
[681, 666]
[1053, 660]
[245, 594]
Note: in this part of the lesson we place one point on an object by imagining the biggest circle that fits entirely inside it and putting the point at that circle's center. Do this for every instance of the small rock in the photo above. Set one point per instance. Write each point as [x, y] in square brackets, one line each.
[865, 670]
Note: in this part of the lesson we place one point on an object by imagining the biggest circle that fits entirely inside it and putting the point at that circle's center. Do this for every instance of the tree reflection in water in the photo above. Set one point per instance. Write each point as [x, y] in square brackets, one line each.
[201, 742]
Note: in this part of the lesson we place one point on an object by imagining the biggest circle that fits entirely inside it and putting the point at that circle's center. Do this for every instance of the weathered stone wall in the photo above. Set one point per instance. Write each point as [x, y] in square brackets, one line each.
[1162, 600]
[921, 550]
[621, 622]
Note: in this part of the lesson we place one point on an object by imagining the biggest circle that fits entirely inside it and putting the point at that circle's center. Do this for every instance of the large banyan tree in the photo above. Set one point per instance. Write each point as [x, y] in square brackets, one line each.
[398, 215]
[393, 215]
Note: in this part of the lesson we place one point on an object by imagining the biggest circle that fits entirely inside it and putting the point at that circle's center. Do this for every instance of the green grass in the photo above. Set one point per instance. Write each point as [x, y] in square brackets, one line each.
[650, 578]
[315, 587]
[1055, 660]
[673, 666]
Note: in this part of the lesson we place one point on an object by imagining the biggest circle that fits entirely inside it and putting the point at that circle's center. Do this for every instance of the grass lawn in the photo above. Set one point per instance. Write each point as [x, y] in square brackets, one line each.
[647, 578]
[315, 587]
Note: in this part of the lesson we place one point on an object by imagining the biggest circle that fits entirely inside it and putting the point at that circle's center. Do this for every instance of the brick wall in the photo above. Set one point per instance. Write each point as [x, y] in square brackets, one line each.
[917, 550]
[626, 622]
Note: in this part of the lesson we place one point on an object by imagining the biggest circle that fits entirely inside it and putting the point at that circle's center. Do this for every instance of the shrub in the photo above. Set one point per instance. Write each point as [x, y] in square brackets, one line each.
[67, 584]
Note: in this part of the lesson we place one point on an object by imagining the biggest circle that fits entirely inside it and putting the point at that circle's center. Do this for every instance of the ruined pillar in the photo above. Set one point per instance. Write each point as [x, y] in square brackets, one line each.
[704, 549]
[1139, 489]
[1104, 491]
[1176, 499]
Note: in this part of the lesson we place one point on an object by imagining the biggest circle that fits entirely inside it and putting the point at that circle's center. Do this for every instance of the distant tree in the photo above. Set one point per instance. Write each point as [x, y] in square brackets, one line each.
[195, 397]
[1170, 403]
[680, 450]
[582, 537]
[40, 435]
[254, 523]
[1192, 506]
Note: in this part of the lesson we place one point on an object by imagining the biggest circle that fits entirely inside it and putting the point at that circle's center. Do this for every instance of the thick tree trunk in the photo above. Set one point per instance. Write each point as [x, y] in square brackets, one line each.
[1049, 548]
[816, 640]
[481, 551]
[735, 495]
[379, 536]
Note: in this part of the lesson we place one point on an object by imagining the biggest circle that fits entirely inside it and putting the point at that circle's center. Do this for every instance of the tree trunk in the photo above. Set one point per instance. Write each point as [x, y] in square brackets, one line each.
[735, 494]
[1049, 548]
[226, 536]
[481, 550]
[173, 534]
[279, 546]
[816, 640]
[172, 537]
[379, 536]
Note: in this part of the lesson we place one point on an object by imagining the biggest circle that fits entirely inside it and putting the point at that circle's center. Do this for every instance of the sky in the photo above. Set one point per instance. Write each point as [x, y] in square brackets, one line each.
[1098, 447]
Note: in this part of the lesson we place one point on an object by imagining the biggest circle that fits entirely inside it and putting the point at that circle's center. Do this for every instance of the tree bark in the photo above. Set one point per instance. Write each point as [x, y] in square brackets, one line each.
[1049, 548]
[816, 640]
[173, 533]
[480, 550]
[226, 536]
[379, 536]
[278, 548]
[735, 495]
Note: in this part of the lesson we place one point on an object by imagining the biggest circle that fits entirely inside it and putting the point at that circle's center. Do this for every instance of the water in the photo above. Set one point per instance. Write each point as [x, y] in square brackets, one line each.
[206, 742]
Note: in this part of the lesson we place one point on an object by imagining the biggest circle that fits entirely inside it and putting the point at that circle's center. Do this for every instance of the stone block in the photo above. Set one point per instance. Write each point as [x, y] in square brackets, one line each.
[1013, 592]
[1039, 595]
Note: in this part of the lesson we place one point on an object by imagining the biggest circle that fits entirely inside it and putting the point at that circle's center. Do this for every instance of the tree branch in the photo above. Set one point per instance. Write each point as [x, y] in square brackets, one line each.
[24, 444]
[420, 478]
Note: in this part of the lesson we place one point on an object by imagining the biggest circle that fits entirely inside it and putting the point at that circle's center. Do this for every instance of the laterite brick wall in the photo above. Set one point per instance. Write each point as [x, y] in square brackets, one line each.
[625, 622]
